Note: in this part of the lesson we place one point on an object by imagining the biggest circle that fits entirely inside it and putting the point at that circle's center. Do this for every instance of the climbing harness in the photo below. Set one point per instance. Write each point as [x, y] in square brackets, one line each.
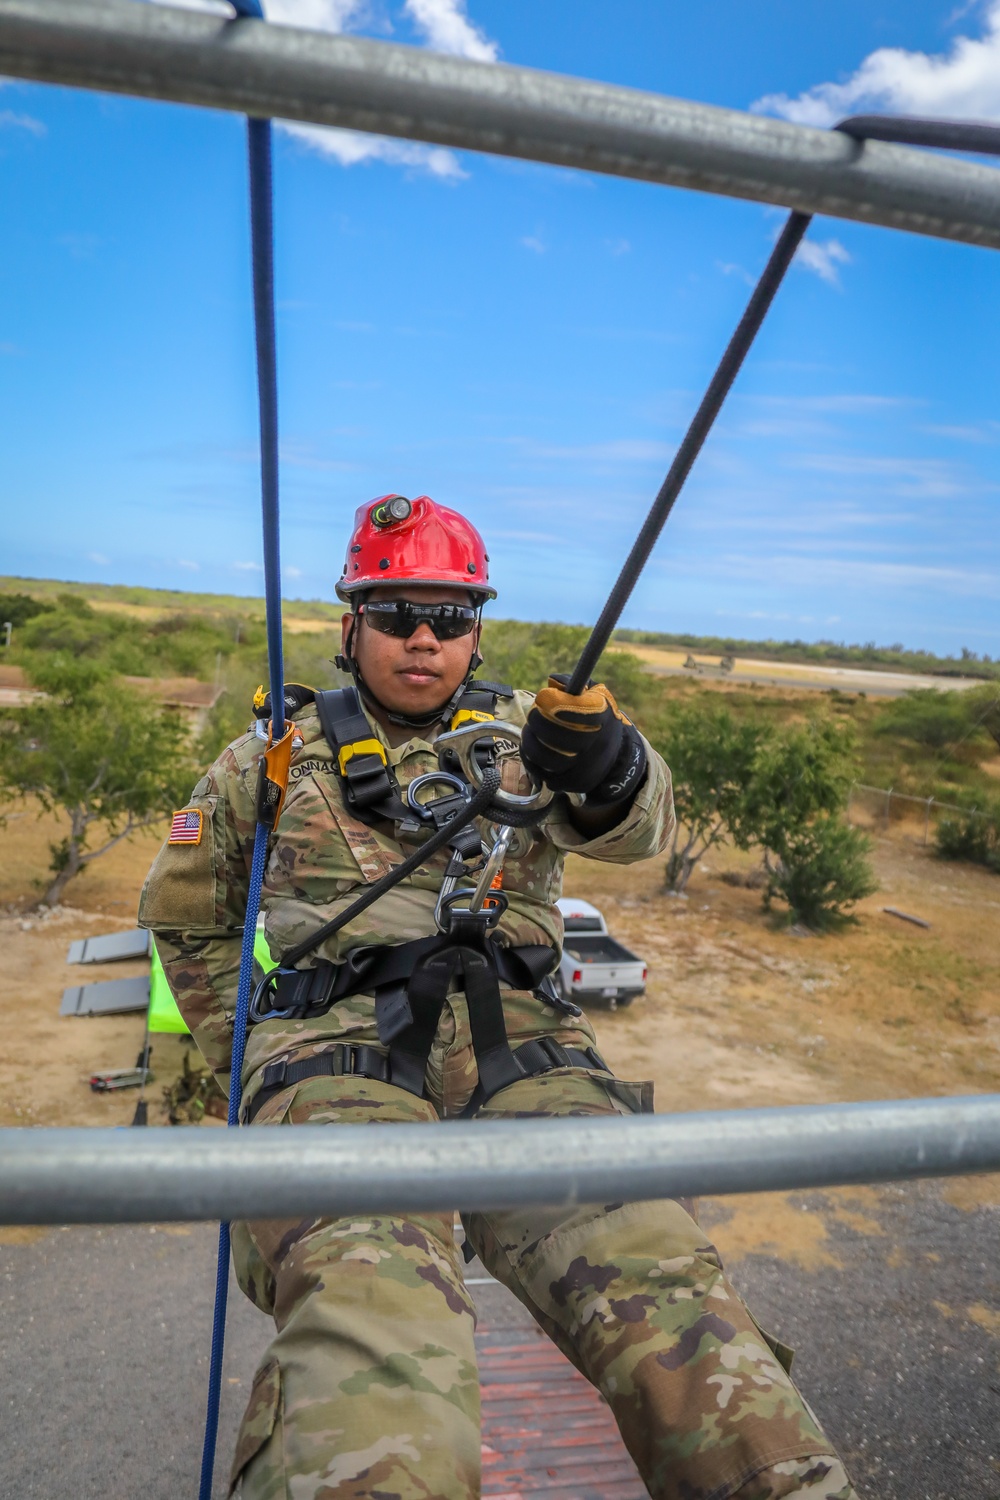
[462, 949]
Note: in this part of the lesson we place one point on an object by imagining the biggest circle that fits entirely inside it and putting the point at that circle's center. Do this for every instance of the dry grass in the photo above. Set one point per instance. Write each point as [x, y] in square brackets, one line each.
[739, 1011]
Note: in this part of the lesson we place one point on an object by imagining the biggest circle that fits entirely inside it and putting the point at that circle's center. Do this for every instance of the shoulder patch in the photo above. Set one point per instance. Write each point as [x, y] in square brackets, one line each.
[186, 826]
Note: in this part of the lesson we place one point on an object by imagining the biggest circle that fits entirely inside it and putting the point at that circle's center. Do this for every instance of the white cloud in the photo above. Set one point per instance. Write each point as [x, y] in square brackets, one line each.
[532, 242]
[618, 450]
[248, 567]
[927, 478]
[962, 83]
[987, 433]
[11, 120]
[730, 268]
[192, 567]
[798, 570]
[350, 148]
[448, 29]
[99, 558]
[823, 257]
[618, 247]
[315, 15]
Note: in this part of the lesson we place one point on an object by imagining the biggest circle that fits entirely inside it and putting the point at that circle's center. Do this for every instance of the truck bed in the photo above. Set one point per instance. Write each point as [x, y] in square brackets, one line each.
[596, 948]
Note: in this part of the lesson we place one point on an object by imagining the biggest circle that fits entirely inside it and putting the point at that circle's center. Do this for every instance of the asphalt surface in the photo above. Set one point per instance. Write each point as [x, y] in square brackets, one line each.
[872, 684]
[104, 1338]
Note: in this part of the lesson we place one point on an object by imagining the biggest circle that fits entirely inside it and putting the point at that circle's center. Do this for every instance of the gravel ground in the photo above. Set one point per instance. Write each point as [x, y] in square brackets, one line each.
[898, 1351]
[104, 1336]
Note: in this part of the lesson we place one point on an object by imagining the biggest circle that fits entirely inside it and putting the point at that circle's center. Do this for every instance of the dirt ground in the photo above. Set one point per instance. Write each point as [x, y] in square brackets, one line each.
[740, 1011]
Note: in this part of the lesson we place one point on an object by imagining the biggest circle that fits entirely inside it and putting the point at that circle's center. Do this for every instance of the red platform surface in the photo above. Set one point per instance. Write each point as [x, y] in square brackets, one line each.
[546, 1430]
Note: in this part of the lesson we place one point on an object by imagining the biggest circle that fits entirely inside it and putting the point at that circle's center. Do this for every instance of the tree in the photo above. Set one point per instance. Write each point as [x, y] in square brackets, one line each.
[782, 790]
[814, 860]
[92, 749]
[712, 757]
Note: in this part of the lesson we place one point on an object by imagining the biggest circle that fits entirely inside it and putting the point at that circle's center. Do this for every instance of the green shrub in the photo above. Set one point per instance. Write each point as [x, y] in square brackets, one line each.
[940, 721]
[973, 835]
[822, 870]
[18, 609]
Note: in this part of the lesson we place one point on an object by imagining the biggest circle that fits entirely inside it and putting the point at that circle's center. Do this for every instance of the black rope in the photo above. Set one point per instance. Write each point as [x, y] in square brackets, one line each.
[481, 805]
[951, 135]
[694, 439]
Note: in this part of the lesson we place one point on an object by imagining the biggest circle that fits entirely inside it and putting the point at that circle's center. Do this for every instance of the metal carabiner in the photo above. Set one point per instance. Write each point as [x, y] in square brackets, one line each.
[492, 867]
[433, 778]
[462, 744]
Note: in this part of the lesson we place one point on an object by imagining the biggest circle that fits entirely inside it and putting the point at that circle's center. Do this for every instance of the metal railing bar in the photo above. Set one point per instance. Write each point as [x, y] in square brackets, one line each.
[56, 1176]
[284, 72]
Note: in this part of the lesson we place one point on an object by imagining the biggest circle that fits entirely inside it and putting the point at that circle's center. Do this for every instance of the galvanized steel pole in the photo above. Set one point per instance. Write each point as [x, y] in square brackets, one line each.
[284, 72]
[105, 1176]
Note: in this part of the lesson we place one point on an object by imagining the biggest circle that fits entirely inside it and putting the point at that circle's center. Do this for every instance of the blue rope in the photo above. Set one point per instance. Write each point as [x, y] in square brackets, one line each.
[262, 243]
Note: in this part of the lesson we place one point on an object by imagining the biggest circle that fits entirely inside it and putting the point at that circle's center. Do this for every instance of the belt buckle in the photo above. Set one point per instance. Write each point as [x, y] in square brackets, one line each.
[274, 1074]
[555, 1052]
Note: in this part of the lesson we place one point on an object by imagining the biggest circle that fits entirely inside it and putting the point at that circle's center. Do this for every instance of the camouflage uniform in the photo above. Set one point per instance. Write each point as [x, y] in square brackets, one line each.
[370, 1387]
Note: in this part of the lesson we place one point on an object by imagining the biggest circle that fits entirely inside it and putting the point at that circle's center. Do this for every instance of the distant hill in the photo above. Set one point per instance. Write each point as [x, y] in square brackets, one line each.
[133, 596]
[146, 601]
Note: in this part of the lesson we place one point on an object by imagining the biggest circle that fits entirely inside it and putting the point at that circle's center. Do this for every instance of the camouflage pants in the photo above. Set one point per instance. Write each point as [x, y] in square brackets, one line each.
[370, 1387]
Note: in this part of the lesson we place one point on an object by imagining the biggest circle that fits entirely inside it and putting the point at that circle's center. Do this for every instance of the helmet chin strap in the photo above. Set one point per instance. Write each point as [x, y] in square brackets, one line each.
[346, 662]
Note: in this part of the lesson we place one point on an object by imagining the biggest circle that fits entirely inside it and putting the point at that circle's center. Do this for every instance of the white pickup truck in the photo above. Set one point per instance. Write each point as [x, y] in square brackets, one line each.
[595, 968]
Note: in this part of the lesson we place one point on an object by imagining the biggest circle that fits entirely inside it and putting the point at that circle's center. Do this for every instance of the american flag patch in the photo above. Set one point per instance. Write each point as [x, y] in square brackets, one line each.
[185, 826]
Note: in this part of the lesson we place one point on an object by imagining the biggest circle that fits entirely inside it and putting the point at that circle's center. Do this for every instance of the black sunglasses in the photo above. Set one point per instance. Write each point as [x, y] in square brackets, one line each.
[400, 617]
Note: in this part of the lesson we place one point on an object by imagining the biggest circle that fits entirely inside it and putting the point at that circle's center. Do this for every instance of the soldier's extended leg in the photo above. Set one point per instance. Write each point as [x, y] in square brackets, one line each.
[636, 1297]
[370, 1387]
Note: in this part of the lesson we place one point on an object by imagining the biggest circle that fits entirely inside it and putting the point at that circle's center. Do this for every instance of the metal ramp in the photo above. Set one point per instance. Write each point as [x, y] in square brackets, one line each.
[545, 1429]
[110, 947]
[112, 998]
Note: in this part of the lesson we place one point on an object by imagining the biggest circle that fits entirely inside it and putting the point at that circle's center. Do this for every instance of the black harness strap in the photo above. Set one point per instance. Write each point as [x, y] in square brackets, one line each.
[543, 1055]
[341, 1060]
[367, 781]
[411, 982]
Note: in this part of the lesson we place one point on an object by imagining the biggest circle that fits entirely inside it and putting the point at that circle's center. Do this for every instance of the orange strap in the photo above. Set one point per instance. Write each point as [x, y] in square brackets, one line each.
[274, 768]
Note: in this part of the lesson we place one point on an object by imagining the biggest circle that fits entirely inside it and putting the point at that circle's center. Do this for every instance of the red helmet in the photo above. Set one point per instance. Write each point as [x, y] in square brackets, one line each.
[396, 540]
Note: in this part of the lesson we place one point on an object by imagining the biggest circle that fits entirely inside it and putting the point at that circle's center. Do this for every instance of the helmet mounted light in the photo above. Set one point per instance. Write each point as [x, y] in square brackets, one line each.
[390, 510]
[397, 542]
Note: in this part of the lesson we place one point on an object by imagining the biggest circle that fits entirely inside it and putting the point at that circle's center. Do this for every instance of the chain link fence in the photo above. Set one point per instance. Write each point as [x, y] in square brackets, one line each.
[883, 810]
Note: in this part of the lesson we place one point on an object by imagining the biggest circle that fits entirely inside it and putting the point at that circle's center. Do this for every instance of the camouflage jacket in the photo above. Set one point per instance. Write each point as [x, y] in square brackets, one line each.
[321, 857]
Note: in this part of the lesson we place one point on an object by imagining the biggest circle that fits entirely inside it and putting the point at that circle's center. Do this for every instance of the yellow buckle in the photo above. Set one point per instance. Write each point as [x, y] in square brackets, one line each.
[471, 716]
[360, 747]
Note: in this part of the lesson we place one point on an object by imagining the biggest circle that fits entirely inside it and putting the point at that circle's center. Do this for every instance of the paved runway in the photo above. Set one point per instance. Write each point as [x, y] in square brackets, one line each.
[104, 1345]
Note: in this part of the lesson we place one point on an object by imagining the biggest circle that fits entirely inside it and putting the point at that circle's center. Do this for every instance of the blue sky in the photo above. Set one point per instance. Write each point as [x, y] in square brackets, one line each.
[523, 343]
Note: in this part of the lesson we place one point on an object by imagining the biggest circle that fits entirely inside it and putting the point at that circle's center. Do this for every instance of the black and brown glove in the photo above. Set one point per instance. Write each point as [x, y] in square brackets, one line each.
[583, 743]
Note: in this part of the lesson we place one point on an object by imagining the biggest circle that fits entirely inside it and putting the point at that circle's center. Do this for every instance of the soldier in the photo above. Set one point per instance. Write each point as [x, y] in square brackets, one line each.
[370, 1388]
